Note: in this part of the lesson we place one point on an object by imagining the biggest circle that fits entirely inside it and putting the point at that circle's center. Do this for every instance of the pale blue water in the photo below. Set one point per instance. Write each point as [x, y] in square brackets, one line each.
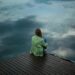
[19, 19]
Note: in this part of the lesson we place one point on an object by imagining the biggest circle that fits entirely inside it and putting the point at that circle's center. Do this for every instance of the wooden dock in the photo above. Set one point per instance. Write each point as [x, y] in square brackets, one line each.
[29, 65]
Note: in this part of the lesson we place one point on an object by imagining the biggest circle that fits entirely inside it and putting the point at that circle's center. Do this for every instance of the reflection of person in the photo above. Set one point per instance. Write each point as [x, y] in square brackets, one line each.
[38, 44]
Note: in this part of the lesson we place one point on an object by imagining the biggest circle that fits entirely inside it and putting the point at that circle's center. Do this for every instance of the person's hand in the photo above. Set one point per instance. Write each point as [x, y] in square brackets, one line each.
[44, 47]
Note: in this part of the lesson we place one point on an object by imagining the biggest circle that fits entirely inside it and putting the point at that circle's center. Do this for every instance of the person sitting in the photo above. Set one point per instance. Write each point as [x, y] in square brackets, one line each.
[38, 44]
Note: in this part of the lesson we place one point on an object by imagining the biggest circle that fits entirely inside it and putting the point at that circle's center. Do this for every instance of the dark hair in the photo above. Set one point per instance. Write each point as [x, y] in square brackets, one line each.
[38, 32]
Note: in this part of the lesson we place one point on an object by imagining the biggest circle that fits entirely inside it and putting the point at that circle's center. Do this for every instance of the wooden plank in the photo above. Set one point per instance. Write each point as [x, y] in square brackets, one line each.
[30, 65]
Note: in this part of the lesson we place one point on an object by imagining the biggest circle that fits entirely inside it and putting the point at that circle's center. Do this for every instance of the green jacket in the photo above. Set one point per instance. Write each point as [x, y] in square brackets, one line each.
[37, 45]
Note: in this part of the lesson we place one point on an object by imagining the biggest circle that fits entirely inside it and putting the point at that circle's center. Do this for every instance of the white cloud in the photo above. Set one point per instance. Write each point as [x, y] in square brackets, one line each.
[43, 18]
[44, 30]
[13, 2]
[55, 35]
[55, 13]
[63, 52]
[59, 35]
[69, 33]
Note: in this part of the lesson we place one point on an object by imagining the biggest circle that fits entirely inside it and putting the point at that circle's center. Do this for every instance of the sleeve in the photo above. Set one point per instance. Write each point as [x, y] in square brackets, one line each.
[44, 45]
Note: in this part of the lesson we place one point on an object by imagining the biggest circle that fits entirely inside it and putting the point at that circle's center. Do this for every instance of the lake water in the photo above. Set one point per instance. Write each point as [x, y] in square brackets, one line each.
[20, 18]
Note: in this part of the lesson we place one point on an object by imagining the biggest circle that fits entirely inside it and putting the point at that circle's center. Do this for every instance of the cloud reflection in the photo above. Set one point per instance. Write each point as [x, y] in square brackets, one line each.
[64, 52]
[20, 18]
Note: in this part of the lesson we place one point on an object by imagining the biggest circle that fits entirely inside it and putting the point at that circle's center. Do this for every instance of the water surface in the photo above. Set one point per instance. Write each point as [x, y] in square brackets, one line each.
[20, 18]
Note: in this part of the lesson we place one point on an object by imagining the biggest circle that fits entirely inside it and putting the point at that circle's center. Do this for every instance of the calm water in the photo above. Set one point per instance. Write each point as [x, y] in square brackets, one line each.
[20, 18]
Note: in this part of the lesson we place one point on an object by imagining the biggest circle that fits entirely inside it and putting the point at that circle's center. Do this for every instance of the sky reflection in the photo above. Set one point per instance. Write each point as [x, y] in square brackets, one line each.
[19, 19]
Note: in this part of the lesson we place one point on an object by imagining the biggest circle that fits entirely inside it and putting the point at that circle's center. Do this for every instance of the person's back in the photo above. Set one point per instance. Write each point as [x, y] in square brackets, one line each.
[38, 45]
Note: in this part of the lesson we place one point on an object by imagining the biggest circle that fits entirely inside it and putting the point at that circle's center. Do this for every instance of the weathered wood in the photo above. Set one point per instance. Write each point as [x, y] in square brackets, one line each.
[30, 65]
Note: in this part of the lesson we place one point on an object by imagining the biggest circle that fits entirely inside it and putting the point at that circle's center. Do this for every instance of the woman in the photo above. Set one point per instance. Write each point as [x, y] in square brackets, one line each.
[38, 44]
